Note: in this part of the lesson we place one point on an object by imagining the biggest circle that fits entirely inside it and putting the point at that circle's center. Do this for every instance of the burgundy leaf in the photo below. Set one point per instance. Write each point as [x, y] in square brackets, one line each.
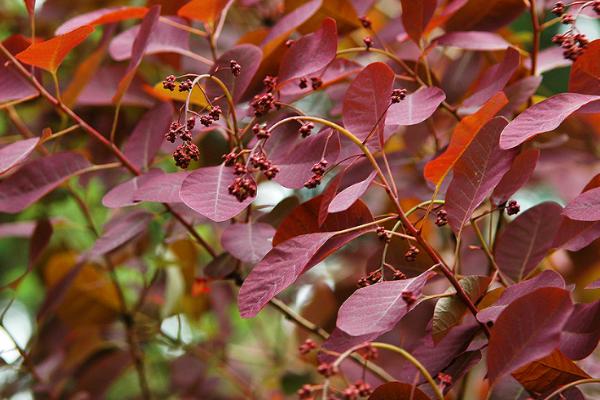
[15, 153]
[206, 191]
[473, 40]
[163, 39]
[520, 171]
[581, 333]
[30, 5]
[367, 100]
[526, 240]
[379, 307]
[221, 266]
[120, 230]
[585, 73]
[543, 117]
[161, 188]
[278, 270]
[249, 57]
[415, 17]
[546, 278]
[148, 135]
[296, 164]
[344, 199]
[100, 90]
[39, 240]
[492, 81]
[122, 194]
[476, 173]
[416, 107]
[248, 242]
[140, 43]
[12, 85]
[339, 341]
[101, 16]
[398, 391]
[527, 330]
[311, 53]
[280, 32]
[37, 178]
[585, 207]
[519, 93]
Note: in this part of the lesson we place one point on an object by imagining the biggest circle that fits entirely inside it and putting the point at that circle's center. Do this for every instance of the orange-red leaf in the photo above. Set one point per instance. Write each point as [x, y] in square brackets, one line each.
[464, 133]
[50, 54]
[207, 11]
[101, 17]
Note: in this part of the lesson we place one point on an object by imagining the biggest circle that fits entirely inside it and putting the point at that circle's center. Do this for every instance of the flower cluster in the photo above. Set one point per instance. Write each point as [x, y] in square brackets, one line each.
[262, 163]
[572, 41]
[307, 347]
[411, 254]
[441, 218]
[398, 95]
[306, 129]
[243, 187]
[318, 171]
[370, 279]
[513, 207]
[383, 235]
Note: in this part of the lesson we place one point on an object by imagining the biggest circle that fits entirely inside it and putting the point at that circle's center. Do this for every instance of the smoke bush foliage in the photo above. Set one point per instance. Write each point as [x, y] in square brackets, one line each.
[332, 199]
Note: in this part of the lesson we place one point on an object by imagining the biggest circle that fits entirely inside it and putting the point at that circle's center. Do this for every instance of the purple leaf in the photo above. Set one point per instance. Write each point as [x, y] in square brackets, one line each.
[527, 330]
[581, 333]
[100, 90]
[492, 81]
[339, 341]
[543, 117]
[367, 100]
[296, 164]
[476, 173]
[12, 85]
[311, 53]
[549, 59]
[122, 194]
[344, 199]
[39, 240]
[148, 135]
[585, 207]
[379, 307]
[249, 57]
[280, 32]
[517, 176]
[519, 93]
[473, 40]
[120, 230]
[15, 153]
[206, 191]
[161, 188]
[37, 178]
[140, 43]
[248, 242]
[415, 17]
[546, 278]
[163, 39]
[416, 107]
[574, 235]
[278, 270]
[526, 240]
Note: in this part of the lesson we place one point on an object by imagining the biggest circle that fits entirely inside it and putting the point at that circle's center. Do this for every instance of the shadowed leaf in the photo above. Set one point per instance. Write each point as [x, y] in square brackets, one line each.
[120, 230]
[398, 391]
[473, 40]
[517, 176]
[585, 207]
[581, 333]
[248, 242]
[585, 72]
[415, 17]
[15, 153]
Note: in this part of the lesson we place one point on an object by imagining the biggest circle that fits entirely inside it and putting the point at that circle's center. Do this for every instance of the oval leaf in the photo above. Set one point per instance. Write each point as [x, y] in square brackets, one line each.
[526, 240]
[585, 207]
[416, 107]
[248, 242]
[415, 17]
[473, 40]
[206, 191]
[100, 17]
[16, 153]
[540, 317]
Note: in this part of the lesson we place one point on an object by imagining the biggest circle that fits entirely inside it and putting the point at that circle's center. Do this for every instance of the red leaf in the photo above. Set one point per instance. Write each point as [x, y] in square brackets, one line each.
[466, 130]
[207, 11]
[585, 207]
[398, 391]
[485, 16]
[543, 117]
[50, 54]
[120, 230]
[416, 14]
[476, 173]
[148, 135]
[37, 178]
[493, 80]
[581, 333]
[206, 191]
[248, 242]
[526, 241]
[137, 53]
[101, 17]
[585, 72]
[379, 307]
[367, 100]
[15, 153]
[520, 171]
[12, 85]
[473, 40]
[527, 330]
[416, 107]
[310, 54]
